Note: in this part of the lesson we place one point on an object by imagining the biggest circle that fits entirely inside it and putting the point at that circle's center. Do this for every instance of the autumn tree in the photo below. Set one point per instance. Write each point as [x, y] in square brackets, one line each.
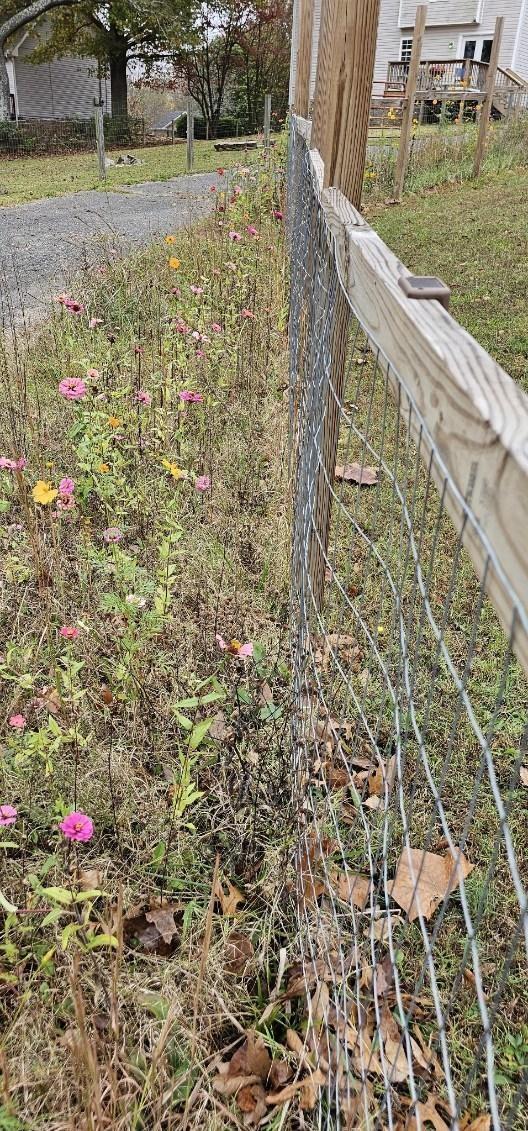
[261, 62]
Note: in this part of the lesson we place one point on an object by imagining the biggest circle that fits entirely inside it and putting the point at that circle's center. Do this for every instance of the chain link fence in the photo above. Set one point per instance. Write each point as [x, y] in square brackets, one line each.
[409, 733]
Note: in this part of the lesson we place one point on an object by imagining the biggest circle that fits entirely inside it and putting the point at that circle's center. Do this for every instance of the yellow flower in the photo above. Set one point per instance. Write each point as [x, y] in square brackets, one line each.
[174, 470]
[174, 262]
[170, 239]
[103, 468]
[114, 421]
[43, 492]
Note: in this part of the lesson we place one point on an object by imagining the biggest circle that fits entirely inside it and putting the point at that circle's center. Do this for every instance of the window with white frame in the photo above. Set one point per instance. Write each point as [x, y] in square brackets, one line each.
[405, 50]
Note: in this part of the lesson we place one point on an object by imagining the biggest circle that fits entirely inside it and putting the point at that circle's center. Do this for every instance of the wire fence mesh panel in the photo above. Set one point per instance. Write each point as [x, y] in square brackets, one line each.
[409, 734]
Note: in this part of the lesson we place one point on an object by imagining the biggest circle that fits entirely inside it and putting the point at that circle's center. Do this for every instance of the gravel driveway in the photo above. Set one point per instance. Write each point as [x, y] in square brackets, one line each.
[44, 243]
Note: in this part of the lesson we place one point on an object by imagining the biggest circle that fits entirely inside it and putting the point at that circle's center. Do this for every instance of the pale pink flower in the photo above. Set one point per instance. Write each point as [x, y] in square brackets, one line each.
[237, 191]
[138, 350]
[198, 337]
[202, 483]
[251, 230]
[216, 327]
[235, 236]
[94, 374]
[18, 722]
[73, 306]
[245, 313]
[77, 826]
[94, 322]
[190, 396]
[200, 353]
[73, 388]
[65, 503]
[176, 292]
[7, 464]
[197, 290]
[142, 397]
[234, 647]
[181, 327]
[69, 632]
[112, 534]
[66, 486]
[8, 815]
[232, 266]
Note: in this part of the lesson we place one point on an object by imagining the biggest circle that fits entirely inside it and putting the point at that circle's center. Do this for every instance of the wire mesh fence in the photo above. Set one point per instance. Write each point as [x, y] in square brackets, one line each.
[41, 137]
[409, 734]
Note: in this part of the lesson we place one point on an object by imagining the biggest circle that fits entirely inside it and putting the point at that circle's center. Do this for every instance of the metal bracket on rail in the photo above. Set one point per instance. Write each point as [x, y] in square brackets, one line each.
[425, 286]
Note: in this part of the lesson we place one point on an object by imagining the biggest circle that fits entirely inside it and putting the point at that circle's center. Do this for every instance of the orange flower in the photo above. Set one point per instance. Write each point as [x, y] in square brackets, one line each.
[174, 262]
[170, 239]
[103, 468]
[114, 421]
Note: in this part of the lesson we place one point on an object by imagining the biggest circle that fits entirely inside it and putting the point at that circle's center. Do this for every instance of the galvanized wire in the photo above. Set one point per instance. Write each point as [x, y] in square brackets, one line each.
[408, 734]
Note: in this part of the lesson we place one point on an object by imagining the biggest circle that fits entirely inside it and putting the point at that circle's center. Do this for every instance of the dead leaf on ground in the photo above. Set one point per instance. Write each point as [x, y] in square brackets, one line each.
[279, 1073]
[251, 1059]
[230, 899]
[428, 1112]
[424, 879]
[266, 694]
[393, 1048]
[524, 775]
[88, 879]
[313, 855]
[239, 951]
[384, 773]
[219, 730]
[309, 1086]
[481, 1123]
[351, 887]
[153, 929]
[229, 1085]
[357, 473]
[380, 927]
[251, 1099]
[48, 699]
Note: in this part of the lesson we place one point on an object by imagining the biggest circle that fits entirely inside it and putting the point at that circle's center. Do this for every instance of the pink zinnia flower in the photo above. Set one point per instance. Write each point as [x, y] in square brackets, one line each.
[93, 374]
[7, 464]
[73, 306]
[181, 327]
[112, 534]
[176, 292]
[200, 353]
[65, 503]
[197, 290]
[251, 230]
[17, 721]
[94, 322]
[245, 313]
[277, 214]
[77, 826]
[198, 337]
[69, 632]
[213, 188]
[216, 327]
[234, 647]
[142, 397]
[190, 396]
[8, 815]
[73, 388]
[138, 350]
[235, 236]
[66, 486]
[202, 483]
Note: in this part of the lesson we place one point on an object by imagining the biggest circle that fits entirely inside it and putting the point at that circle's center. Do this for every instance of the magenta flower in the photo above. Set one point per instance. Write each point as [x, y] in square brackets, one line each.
[213, 188]
[18, 722]
[70, 304]
[142, 397]
[202, 483]
[77, 826]
[112, 534]
[252, 231]
[66, 486]
[73, 388]
[189, 396]
[245, 313]
[277, 214]
[8, 815]
[216, 327]
[94, 322]
[197, 290]
[69, 632]
[138, 350]
[235, 236]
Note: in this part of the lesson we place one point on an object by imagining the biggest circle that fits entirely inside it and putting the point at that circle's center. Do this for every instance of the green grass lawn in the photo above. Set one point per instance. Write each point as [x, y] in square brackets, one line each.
[475, 237]
[31, 178]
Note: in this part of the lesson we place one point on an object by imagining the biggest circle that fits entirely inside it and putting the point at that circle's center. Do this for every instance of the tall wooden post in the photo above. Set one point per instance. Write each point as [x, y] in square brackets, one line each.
[99, 137]
[267, 119]
[190, 135]
[487, 102]
[408, 109]
[301, 99]
[345, 68]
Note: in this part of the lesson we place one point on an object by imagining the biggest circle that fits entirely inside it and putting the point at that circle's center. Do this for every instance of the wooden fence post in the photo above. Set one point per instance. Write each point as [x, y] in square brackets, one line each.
[345, 69]
[304, 58]
[99, 137]
[267, 119]
[485, 109]
[408, 109]
[190, 135]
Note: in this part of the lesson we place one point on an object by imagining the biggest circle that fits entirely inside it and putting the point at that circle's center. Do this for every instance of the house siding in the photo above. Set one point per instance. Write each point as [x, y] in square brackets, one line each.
[520, 57]
[64, 88]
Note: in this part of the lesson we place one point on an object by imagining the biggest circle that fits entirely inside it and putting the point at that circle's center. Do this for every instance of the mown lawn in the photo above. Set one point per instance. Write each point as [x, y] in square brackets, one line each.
[32, 178]
[475, 237]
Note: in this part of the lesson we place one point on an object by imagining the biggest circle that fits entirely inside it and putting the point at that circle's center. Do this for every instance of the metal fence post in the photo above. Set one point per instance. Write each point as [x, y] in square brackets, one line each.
[190, 135]
[99, 137]
[267, 119]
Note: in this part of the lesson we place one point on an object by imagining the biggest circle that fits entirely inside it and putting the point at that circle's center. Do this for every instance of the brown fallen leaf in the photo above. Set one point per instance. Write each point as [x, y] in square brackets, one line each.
[230, 1085]
[317, 1078]
[385, 773]
[163, 920]
[140, 931]
[48, 699]
[353, 888]
[393, 1048]
[239, 951]
[427, 1112]
[481, 1123]
[357, 473]
[279, 1074]
[219, 730]
[230, 899]
[88, 879]
[266, 694]
[424, 879]
[251, 1059]
[380, 927]
[251, 1099]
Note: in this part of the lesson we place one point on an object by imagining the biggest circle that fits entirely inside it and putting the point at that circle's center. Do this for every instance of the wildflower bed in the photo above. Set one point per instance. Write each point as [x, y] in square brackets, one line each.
[144, 797]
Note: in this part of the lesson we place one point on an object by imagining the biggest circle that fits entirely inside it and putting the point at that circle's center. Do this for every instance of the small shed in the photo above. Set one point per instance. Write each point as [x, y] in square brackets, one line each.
[167, 123]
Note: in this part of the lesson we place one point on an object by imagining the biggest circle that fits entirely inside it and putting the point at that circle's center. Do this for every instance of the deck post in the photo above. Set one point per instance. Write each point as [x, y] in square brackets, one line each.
[487, 102]
[408, 108]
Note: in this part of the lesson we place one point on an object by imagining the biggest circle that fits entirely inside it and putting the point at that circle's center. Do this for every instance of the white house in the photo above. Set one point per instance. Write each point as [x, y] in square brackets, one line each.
[455, 29]
[64, 88]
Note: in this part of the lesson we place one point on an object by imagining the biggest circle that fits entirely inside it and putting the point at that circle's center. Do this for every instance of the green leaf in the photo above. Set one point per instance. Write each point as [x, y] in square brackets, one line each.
[198, 733]
[192, 702]
[243, 696]
[270, 712]
[52, 917]
[102, 940]
[59, 895]
[84, 895]
[7, 906]
[69, 930]
[8, 844]
[158, 853]
[158, 1006]
[183, 721]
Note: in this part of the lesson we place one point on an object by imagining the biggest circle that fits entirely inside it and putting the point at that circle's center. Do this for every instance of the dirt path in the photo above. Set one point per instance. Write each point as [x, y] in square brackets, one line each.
[44, 243]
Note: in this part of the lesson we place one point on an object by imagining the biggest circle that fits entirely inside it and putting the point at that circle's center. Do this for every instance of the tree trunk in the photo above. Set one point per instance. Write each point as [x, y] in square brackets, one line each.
[118, 82]
[4, 90]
